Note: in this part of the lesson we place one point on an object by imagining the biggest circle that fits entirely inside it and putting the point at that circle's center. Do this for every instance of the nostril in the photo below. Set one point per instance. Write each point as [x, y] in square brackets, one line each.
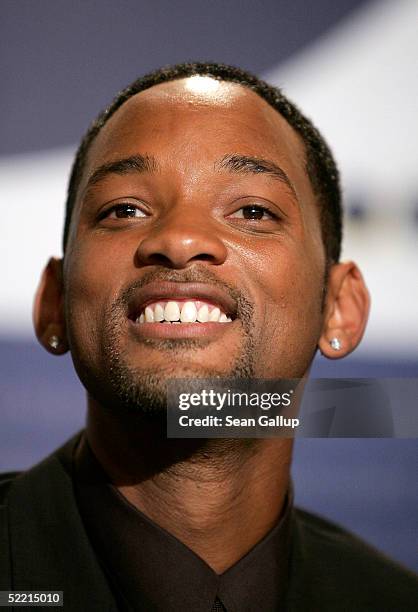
[159, 259]
[202, 257]
[173, 248]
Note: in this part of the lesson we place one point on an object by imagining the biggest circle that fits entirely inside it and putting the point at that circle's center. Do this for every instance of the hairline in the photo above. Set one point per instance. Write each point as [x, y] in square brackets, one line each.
[91, 142]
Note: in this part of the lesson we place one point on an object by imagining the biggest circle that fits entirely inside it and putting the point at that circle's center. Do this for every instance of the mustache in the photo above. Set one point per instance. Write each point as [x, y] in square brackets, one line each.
[195, 274]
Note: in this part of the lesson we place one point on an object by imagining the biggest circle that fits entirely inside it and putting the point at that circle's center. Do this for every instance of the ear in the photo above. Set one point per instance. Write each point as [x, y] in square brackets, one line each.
[346, 311]
[48, 309]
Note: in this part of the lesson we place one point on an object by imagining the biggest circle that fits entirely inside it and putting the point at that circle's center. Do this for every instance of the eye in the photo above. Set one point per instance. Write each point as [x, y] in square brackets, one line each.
[253, 212]
[123, 211]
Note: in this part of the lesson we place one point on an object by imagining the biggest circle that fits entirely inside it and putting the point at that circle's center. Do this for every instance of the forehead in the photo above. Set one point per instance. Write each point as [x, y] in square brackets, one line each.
[194, 120]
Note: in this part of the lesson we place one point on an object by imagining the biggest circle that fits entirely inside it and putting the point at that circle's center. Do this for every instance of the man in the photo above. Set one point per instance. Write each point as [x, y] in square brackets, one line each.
[202, 239]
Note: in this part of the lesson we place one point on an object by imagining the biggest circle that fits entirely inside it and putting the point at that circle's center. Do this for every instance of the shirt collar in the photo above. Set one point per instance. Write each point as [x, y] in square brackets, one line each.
[151, 569]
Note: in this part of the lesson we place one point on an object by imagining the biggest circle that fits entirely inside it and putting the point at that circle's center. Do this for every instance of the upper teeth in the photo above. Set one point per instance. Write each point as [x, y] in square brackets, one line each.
[182, 312]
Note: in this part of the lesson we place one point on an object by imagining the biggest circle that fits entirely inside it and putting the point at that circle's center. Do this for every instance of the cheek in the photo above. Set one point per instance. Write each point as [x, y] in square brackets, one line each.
[96, 270]
[288, 286]
[89, 293]
[293, 301]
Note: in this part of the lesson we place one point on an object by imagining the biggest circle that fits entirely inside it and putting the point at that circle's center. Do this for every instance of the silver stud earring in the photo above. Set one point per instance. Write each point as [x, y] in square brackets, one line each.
[54, 342]
[335, 344]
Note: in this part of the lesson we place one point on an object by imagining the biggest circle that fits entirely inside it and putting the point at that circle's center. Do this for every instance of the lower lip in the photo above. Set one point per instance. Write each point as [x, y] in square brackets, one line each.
[182, 330]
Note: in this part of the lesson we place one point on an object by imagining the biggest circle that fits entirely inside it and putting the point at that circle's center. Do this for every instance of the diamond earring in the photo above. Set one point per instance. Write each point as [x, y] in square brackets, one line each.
[54, 342]
[335, 344]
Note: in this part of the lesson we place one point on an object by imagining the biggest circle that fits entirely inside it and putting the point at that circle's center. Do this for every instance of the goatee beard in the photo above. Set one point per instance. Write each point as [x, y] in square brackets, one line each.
[141, 390]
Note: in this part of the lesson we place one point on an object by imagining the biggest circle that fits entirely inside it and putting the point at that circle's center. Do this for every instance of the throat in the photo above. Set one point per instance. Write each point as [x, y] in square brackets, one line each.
[218, 497]
[220, 502]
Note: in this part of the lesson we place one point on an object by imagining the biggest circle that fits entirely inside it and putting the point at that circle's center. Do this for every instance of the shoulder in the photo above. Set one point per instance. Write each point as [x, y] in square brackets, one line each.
[6, 480]
[43, 542]
[343, 568]
[41, 473]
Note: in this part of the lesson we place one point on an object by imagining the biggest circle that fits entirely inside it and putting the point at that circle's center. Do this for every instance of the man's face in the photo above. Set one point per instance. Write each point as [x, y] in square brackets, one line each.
[190, 214]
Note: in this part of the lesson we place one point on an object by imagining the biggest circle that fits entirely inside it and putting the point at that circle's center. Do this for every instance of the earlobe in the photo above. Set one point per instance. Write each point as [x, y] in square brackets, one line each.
[346, 311]
[48, 309]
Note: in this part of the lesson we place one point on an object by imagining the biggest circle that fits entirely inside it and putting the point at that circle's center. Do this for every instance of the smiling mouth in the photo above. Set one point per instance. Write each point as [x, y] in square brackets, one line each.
[178, 312]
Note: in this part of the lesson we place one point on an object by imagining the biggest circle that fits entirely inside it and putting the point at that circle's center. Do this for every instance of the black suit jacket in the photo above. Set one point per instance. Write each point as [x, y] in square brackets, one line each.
[44, 546]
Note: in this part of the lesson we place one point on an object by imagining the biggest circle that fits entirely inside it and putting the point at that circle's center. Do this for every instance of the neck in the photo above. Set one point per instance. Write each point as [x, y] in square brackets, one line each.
[218, 497]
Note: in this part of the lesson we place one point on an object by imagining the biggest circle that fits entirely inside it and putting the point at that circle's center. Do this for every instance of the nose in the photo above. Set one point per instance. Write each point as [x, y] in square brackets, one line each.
[181, 240]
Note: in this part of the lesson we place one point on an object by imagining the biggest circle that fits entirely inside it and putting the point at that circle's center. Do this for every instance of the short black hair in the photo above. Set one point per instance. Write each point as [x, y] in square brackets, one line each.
[320, 164]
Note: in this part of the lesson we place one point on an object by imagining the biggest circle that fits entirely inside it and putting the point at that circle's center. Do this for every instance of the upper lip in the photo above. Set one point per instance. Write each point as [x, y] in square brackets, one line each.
[154, 291]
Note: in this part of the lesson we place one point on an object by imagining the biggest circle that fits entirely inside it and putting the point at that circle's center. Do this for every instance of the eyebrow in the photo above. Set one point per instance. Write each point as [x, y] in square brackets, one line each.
[244, 164]
[133, 164]
[235, 163]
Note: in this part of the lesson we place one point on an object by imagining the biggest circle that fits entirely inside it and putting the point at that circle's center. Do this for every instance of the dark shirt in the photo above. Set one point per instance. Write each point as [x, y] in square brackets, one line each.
[149, 569]
[44, 546]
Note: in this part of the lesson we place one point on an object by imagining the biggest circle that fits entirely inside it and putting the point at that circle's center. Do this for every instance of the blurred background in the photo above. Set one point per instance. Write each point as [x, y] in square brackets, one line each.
[351, 66]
